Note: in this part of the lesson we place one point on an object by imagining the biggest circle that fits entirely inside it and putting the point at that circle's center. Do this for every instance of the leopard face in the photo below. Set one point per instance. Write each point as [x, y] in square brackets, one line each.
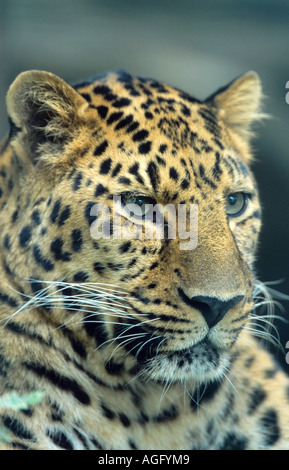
[159, 306]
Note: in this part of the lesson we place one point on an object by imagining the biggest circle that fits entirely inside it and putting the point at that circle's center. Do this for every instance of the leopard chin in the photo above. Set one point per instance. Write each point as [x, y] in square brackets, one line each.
[199, 364]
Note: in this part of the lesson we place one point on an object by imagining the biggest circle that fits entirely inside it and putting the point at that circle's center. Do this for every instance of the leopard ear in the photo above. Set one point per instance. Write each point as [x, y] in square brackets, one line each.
[43, 111]
[239, 103]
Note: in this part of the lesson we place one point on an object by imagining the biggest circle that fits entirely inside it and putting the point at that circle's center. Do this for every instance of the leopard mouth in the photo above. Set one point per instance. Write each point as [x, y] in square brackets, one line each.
[201, 362]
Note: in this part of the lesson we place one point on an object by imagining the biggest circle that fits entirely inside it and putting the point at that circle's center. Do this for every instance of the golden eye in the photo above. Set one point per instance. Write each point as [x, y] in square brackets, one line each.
[137, 206]
[236, 203]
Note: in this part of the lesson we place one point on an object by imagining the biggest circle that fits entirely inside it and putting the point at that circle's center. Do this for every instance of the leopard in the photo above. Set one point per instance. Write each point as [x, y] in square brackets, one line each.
[129, 296]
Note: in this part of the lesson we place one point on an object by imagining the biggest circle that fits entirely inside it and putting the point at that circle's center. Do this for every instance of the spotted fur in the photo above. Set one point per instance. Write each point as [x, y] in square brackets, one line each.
[136, 343]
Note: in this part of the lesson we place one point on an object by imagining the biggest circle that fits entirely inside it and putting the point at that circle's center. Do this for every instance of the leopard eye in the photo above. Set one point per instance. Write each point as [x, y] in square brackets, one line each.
[236, 203]
[137, 206]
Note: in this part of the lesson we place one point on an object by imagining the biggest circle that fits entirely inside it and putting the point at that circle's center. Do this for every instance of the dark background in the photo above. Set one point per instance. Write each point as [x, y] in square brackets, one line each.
[197, 46]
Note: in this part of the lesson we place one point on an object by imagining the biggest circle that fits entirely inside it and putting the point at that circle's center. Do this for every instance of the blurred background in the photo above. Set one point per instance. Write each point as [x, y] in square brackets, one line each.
[195, 45]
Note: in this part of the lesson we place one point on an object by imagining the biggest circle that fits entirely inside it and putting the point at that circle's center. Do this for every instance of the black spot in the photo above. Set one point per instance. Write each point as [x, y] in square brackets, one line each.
[55, 211]
[132, 127]
[107, 412]
[257, 215]
[90, 218]
[270, 427]
[161, 161]
[78, 347]
[256, 396]
[4, 365]
[77, 181]
[18, 445]
[25, 236]
[96, 444]
[205, 393]
[153, 174]
[132, 444]
[56, 414]
[113, 368]
[154, 265]
[270, 373]
[35, 216]
[132, 263]
[124, 180]
[80, 276]
[149, 115]
[105, 166]
[217, 171]
[218, 143]
[7, 242]
[210, 121]
[100, 190]
[45, 263]
[249, 361]
[61, 440]
[205, 178]
[114, 117]
[174, 174]
[36, 286]
[121, 103]
[56, 248]
[115, 266]
[99, 268]
[140, 135]
[234, 441]
[124, 420]
[69, 177]
[81, 438]
[65, 214]
[166, 415]
[100, 149]
[102, 111]
[124, 122]
[185, 110]
[76, 236]
[86, 96]
[185, 184]
[105, 91]
[116, 170]
[145, 148]
[14, 216]
[133, 170]
[17, 428]
[163, 148]
[125, 247]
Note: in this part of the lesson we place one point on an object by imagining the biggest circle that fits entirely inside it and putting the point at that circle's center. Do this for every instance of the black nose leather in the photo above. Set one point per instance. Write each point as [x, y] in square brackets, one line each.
[213, 309]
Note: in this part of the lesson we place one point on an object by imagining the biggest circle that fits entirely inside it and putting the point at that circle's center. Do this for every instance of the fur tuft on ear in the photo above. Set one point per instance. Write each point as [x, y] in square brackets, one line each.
[42, 109]
[239, 103]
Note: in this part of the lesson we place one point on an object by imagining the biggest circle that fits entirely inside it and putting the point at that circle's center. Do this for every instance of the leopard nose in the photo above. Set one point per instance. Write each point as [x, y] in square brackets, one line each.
[213, 309]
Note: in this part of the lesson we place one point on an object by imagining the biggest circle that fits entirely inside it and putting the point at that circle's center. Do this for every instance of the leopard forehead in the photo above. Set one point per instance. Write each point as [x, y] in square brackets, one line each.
[154, 117]
[143, 135]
